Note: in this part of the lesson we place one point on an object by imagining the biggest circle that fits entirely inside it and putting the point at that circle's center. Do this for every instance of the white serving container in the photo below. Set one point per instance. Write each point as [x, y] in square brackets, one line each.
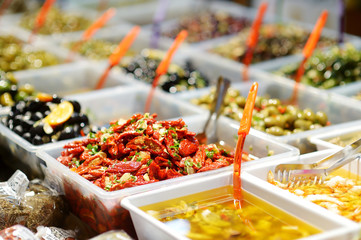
[104, 210]
[258, 173]
[337, 107]
[147, 227]
[101, 107]
[65, 80]
[344, 131]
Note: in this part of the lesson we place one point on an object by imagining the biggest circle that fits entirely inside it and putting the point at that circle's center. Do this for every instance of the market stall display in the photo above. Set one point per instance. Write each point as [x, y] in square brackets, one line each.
[106, 168]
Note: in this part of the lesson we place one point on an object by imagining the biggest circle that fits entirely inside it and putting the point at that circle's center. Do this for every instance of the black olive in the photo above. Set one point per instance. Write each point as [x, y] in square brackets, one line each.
[27, 124]
[37, 116]
[67, 133]
[18, 130]
[34, 105]
[84, 119]
[46, 139]
[56, 99]
[17, 120]
[37, 140]
[20, 106]
[76, 106]
[38, 130]
[45, 107]
[46, 113]
[27, 136]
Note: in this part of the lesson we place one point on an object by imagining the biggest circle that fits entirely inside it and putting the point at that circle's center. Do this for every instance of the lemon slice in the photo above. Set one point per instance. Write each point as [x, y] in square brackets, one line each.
[60, 114]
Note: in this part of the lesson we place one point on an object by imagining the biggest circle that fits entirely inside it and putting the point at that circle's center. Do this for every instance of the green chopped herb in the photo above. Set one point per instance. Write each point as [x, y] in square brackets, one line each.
[91, 135]
[199, 165]
[169, 163]
[149, 161]
[188, 163]
[210, 154]
[139, 159]
[134, 178]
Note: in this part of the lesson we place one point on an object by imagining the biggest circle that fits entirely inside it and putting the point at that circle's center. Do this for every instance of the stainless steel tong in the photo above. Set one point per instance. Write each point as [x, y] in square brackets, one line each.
[315, 173]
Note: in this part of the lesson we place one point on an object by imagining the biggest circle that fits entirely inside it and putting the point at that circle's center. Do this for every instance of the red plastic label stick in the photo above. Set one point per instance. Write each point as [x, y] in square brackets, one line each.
[40, 19]
[253, 39]
[118, 53]
[243, 131]
[164, 64]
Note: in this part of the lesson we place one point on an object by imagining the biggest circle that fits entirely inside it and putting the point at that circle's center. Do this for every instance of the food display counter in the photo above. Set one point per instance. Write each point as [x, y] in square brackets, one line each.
[79, 161]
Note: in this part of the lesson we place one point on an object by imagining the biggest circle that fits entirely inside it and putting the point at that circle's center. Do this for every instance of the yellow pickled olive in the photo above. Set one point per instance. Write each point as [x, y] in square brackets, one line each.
[60, 114]
[6, 99]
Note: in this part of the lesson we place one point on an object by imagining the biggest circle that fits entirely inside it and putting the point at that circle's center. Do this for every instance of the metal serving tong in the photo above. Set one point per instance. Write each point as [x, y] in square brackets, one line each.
[315, 173]
[221, 90]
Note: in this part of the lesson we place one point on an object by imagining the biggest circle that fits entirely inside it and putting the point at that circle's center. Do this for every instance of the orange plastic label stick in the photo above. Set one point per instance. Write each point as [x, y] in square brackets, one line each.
[40, 19]
[253, 39]
[243, 131]
[89, 33]
[164, 64]
[118, 53]
[307, 52]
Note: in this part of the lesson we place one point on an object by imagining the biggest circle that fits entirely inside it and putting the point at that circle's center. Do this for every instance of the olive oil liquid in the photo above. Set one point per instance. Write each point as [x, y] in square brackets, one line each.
[197, 216]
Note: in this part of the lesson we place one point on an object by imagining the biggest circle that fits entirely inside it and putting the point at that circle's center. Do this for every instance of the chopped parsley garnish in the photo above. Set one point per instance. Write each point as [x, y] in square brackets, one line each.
[149, 161]
[210, 154]
[93, 149]
[91, 135]
[188, 163]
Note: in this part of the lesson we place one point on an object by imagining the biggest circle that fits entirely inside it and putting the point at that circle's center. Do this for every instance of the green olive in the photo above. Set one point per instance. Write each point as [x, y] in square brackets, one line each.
[20, 96]
[300, 114]
[297, 130]
[259, 128]
[277, 131]
[273, 102]
[321, 118]
[291, 109]
[272, 110]
[5, 85]
[290, 118]
[258, 102]
[309, 114]
[315, 126]
[241, 101]
[270, 121]
[302, 124]
[6, 99]
[28, 88]
[286, 132]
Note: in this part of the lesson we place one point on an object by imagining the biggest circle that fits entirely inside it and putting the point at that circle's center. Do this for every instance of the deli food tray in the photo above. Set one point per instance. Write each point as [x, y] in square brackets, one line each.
[105, 211]
[331, 225]
[349, 172]
[336, 107]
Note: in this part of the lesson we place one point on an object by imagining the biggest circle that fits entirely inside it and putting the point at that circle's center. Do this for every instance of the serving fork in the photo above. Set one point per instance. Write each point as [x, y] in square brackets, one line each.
[315, 173]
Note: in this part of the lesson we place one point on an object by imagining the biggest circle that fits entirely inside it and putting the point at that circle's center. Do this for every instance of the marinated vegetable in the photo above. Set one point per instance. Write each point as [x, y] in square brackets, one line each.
[216, 217]
[15, 56]
[328, 69]
[208, 25]
[47, 120]
[270, 115]
[343, 141]
[57, 21]
[140, 151]
[275, 40]
[177, 79]
[97, 49]
[338, 194]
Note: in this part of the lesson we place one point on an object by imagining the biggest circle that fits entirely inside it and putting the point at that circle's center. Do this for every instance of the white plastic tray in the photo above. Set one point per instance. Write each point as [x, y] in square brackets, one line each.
[258, 173]
[336, 107]
[147, 227]
[344, 131]
[106, 204]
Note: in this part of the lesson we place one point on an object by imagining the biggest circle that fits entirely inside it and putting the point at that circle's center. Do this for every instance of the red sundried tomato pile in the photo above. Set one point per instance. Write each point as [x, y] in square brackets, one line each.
[139, 151]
